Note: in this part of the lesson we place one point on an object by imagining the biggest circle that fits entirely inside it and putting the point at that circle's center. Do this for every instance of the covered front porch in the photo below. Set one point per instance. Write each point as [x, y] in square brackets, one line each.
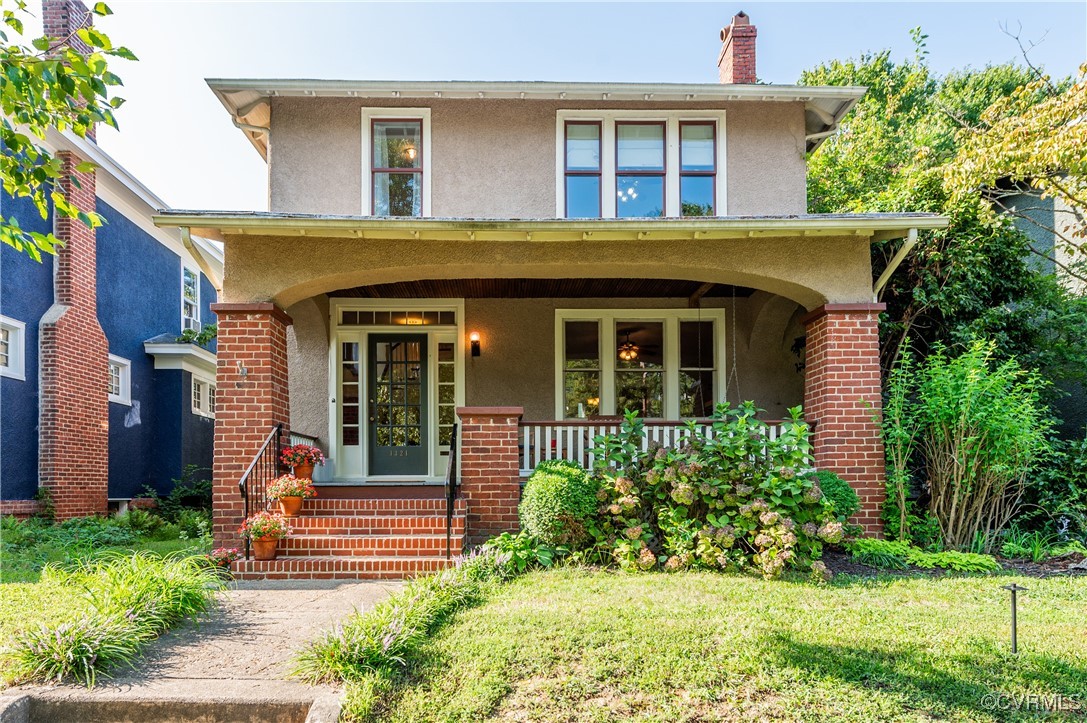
[377, 337]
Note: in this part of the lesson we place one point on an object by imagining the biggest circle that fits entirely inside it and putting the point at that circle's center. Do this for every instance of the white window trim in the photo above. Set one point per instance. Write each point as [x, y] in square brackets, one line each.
[16, 368]
[356, 470]
[125, 397]
[607, 119]
[670, 318]
[196, 272]
[372, 114]
[204, 409]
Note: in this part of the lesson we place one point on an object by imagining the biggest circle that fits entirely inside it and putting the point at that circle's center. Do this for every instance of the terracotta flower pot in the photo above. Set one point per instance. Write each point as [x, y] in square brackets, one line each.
[303, 471]
[264, 548]
[290, 506]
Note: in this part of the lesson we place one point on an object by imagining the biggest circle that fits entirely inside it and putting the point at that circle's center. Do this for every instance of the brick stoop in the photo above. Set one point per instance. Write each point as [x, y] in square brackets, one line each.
[352, 539]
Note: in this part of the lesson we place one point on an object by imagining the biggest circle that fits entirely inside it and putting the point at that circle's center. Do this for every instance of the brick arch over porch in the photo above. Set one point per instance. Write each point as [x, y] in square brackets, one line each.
[810, 271]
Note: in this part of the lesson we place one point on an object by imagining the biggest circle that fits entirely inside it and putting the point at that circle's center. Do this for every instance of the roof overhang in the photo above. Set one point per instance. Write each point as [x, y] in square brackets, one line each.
[182, 355]
[873, 226]
[248, 99]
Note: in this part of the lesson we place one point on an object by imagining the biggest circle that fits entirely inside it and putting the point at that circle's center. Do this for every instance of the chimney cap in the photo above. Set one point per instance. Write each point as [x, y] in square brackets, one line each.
[740, 18]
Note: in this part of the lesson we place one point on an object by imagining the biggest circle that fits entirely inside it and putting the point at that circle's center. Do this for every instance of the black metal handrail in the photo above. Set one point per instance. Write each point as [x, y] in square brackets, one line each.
[450, 493]
[264, 468]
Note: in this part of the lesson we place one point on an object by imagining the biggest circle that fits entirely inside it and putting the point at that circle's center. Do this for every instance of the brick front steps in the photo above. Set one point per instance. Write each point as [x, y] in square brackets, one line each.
[353, 539]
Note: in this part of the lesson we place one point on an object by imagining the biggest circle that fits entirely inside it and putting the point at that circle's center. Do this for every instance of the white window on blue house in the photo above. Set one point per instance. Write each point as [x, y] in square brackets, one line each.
[120, 380]
[190, 299]
[203, 397]
[12, 342]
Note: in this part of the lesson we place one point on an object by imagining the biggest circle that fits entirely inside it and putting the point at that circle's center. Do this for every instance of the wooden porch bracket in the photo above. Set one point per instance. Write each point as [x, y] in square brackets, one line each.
[695, 299]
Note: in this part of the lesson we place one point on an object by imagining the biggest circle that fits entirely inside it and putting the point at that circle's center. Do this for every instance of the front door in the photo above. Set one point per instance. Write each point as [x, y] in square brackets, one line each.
[398, 412]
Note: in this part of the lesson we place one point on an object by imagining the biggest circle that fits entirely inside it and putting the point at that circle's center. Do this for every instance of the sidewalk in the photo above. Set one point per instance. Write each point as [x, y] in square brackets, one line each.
[240, 652]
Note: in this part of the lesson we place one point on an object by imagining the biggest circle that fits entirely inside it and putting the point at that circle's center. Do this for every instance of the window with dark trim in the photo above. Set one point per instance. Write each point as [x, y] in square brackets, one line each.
[582, 168]
[639, 169]
[396, 167]
[697, 168]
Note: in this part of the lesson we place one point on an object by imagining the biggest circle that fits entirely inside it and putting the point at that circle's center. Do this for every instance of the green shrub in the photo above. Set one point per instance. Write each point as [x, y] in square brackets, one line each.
[524, 550]
[1055, 500]
[1035, 545]
[842, 497]
[132, 599]
[141, 522]
[191, 491]
[558, 503]
[194, 524]
[733, 498]
[91, 533]
[976, 427]
[899, 554]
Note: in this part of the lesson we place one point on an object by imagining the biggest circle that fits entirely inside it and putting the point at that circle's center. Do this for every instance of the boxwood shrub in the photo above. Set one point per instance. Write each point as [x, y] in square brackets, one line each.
[838, 492]
[558, 502]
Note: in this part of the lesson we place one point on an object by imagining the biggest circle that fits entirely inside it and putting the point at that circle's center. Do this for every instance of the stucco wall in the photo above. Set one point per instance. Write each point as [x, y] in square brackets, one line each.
[496, 158]
[517, 364]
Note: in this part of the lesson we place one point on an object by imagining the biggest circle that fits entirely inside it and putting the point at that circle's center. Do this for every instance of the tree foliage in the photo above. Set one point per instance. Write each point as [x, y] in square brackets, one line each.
[1033, 143]
[52, 83]
[975, 278]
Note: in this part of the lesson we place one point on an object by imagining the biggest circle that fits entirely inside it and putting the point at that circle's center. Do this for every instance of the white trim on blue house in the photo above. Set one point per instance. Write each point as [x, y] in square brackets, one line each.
[15, 365]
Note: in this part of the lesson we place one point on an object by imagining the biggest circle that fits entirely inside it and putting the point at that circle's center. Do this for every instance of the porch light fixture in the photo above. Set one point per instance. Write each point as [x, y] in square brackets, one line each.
[473, 338]
[628, 350]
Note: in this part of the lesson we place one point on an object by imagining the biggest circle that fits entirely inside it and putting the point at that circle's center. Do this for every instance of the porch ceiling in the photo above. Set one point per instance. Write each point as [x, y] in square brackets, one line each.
[541, 289]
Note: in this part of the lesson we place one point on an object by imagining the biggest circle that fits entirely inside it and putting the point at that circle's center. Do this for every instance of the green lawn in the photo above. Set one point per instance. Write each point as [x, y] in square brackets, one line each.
[575, 645]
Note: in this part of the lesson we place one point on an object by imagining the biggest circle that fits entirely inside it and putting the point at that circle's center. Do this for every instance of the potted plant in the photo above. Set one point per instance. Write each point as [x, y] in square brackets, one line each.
[290, 491]
[221, 557]
[265, 530]
[302, 458]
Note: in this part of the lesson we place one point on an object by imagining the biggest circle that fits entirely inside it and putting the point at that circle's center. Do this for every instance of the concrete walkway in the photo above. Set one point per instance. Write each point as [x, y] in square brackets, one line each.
[241, 651]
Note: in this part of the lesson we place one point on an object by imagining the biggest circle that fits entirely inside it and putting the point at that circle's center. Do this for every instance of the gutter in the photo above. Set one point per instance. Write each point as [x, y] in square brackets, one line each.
[911, 241]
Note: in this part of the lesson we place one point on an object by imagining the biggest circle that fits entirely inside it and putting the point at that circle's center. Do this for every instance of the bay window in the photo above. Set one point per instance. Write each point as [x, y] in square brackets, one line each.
[661, 363]
[640, 164]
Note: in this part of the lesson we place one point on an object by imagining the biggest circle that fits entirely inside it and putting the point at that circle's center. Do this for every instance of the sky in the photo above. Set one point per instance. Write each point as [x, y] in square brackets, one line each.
[178, 140]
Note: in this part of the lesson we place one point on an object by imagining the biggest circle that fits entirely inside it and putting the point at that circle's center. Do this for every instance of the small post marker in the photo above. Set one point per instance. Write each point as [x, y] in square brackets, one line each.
[1013, 589]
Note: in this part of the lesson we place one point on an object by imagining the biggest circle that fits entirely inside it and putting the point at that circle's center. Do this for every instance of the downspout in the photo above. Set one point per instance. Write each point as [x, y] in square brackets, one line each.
[911, 241]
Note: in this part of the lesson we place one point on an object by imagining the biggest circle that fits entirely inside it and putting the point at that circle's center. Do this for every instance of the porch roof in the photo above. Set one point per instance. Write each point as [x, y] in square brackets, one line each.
[220, 225]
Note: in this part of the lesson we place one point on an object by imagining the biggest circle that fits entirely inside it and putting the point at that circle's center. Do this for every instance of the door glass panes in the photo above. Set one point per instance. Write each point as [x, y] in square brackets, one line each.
[398, 168]
[349, 393]
[581, 369]
[639, 367]
[446, 392]
[397, 405]
[696, 362]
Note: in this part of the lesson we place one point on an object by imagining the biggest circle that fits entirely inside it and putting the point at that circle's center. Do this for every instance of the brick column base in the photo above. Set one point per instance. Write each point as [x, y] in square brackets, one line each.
[842, 396]
[490, 475]
[251, 397]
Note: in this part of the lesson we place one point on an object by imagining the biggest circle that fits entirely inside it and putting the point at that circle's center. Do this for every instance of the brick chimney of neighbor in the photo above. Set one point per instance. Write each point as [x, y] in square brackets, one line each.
[736, 62]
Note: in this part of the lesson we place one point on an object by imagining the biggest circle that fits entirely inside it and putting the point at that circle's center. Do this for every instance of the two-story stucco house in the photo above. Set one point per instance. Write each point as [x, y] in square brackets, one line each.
[507, 267]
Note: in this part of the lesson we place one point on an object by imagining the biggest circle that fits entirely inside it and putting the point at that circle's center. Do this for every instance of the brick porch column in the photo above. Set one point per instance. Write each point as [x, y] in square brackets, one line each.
[73, 422]
[842, 395]
[490, 475]
[250, 398]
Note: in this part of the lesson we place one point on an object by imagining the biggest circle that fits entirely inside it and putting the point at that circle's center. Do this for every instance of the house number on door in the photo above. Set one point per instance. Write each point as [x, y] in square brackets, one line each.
[398, 453]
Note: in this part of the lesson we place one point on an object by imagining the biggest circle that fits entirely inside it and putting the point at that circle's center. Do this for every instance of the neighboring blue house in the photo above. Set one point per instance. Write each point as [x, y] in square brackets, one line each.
[151, 284]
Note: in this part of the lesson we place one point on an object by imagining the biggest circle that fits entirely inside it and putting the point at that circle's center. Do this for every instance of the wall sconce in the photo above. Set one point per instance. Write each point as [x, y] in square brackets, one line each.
[473, 338]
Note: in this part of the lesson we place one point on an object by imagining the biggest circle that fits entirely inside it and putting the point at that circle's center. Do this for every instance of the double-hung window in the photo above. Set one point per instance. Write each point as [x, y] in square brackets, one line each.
[396, 146]
[190, 299]
[640, 164]
[12, 342]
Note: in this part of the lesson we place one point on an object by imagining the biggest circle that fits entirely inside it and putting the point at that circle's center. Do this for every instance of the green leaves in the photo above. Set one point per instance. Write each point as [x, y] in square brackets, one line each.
[44, 87]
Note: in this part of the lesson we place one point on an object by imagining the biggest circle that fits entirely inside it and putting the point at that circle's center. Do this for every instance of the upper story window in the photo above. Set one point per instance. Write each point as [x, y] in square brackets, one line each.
[203, 397]
[190, 298]
[12, 343]
[120, 380]
[397, 156]
[640, 164]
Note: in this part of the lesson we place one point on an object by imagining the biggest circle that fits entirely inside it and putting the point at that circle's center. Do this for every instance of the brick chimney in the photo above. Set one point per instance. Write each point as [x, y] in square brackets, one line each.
[736, 62]
[73, 422]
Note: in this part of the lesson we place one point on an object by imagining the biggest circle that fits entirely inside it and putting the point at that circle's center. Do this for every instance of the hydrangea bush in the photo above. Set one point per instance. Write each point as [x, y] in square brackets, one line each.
[727, 498]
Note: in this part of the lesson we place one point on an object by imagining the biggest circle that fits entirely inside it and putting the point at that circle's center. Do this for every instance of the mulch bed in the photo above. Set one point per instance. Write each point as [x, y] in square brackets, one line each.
[841, 563]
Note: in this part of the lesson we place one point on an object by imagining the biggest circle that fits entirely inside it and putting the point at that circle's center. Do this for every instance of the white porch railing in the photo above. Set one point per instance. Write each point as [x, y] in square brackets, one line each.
[574, 440]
